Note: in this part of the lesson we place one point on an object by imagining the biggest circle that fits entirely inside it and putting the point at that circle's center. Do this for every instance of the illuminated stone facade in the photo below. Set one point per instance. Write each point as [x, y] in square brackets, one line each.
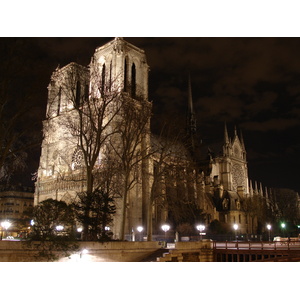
[118, 69]
[217, 185]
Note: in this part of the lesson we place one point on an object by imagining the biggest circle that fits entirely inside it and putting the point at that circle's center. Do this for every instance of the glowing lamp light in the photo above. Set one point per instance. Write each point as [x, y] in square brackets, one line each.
[235, 226]
[200, 227]
[5, 224]
[59, 227]
[269, 228]
[165, 227]
[79, 229]
[139, 229]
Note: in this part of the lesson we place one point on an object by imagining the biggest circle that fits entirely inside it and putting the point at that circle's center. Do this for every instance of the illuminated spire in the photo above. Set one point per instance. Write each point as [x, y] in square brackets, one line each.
[226, 138]
[251, 189]
[266, 193]
[191, 114]
[261, 190]
[255, 187]
[235, 131]
[242, 139]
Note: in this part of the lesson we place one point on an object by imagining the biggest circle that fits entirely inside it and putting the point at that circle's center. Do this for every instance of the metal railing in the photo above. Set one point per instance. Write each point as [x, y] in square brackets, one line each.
[243, 245]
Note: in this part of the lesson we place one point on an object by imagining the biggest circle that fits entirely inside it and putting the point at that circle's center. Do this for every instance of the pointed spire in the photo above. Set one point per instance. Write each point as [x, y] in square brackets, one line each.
[255, 187]
[261, 189]
[191, 114]
[266, 193]
[190, 98]
[242, 139]
[226, 141]
[226, 138]
[235, 131]
[251, 188]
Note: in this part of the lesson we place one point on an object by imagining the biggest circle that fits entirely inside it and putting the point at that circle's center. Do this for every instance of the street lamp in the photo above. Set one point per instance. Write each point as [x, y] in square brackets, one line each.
[269, 228]
[200, 228]
[59, 227]
[282, 227]
[5, 224]
[235, 227]
[165, 228]
[140, 229]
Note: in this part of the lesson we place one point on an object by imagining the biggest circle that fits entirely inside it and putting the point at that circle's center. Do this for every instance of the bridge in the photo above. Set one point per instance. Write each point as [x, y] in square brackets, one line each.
[241, 251]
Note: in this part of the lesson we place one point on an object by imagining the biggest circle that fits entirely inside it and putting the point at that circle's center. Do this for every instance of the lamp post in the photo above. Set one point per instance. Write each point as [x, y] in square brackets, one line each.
[165, 228]
[5, 224]
[79, 230]
[200, 228]
[235, 227]
[269, 228]
[140, 229]
[282, 227]
[59, 229]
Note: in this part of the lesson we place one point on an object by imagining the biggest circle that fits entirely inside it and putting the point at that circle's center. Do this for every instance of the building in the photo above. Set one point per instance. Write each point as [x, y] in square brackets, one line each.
[14, 201]
[118, 73]
[157, 181]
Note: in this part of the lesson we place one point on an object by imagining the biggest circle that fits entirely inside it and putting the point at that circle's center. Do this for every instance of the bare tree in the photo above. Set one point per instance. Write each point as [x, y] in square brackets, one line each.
[85, 118]
[164, 153]
[287, 202]
[173, 181]
[17, 129]
[131, 146]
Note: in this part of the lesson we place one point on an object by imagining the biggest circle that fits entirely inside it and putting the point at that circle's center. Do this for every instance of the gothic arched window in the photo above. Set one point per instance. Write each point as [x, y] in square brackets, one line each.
[133, 81]
[59, 100]
[78, 94]
[103, 79]
[125, 75]
[110, 76]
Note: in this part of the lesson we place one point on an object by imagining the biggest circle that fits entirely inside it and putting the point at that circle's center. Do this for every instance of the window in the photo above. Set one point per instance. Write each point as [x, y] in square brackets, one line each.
[133, 81]
[110, 76]
[86, 92]
[59, 100]
[103, 80]
[125, 75]
[78, 92]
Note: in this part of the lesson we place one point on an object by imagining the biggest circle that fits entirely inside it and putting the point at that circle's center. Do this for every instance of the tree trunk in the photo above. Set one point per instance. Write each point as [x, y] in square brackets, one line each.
[124, 209]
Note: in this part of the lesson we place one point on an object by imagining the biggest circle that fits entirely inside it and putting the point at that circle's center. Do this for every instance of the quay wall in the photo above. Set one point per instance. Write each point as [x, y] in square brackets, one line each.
[20, 251]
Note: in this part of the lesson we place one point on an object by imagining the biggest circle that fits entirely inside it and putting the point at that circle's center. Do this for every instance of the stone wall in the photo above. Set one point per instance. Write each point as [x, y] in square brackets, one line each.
[16, 251]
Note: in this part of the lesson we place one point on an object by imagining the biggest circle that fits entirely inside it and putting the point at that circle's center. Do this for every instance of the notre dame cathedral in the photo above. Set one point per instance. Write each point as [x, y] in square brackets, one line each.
[158, 179]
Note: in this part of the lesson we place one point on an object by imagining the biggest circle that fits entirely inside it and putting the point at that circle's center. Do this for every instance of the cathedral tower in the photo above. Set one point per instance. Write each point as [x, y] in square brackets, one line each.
[119, 68]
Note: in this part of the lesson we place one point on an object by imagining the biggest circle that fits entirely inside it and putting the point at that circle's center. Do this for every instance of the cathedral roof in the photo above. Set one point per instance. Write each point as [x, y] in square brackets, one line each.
[119, 44]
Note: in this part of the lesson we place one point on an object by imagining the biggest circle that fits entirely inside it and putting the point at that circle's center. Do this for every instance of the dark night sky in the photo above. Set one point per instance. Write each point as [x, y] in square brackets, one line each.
[251, 83]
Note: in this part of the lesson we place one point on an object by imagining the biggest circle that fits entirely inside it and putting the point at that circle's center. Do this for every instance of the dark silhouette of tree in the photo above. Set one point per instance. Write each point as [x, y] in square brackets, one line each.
[49, 214]
[287, 203]
[46, 237]
[95, 211]
[18, 132]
